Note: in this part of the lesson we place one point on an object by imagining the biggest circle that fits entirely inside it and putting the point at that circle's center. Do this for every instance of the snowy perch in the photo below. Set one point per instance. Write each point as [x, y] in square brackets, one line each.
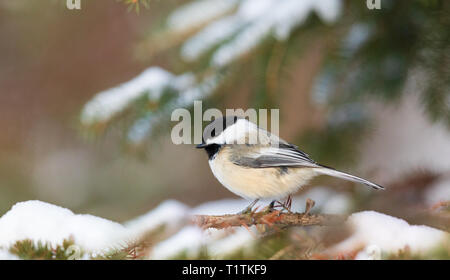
[272, 218]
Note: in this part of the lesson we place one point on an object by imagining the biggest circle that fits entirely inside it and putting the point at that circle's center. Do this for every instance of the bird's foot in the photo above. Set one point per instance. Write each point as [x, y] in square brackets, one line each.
[270, 208]
[286, 205]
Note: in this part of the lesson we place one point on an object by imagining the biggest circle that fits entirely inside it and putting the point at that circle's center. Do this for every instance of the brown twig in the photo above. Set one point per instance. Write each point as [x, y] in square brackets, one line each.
[271, 218]
[439, 205]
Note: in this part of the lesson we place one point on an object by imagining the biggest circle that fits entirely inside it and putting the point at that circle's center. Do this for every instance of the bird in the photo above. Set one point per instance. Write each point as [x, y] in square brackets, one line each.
[255, 164]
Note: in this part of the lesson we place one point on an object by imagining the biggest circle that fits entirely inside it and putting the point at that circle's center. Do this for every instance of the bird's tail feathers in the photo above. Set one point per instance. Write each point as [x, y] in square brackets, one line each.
[332, 172]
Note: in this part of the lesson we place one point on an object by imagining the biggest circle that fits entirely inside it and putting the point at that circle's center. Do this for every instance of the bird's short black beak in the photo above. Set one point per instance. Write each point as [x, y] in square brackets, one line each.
[201, 146]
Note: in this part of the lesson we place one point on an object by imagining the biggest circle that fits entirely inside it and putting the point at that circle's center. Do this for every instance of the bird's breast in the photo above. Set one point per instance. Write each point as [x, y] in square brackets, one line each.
[252, 183]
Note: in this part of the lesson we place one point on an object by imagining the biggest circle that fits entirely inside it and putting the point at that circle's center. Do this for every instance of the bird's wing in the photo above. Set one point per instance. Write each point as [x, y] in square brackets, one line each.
[288, 155]
[280, 155]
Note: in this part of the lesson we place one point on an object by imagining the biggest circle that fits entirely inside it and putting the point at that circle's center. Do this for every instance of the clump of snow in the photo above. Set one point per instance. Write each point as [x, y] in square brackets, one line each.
[40, 221]
[170, 213]
[189, 240]
[371, 252]
[217, 243]
[240, 239]
[51, 224]
[377, 233]
[253, 21]
[6, 255]
[388, 234]
[112, 101]
[254, 9]
[221, 243]
[210, 36]
[151, 82]
[328, 10]
[241, 44]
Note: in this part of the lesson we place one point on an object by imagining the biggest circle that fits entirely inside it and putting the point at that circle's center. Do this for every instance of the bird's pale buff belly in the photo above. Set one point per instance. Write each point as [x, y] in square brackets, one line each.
[253, 183]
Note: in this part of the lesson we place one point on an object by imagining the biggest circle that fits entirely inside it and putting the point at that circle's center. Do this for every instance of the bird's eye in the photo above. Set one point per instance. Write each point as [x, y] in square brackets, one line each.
[213, 132]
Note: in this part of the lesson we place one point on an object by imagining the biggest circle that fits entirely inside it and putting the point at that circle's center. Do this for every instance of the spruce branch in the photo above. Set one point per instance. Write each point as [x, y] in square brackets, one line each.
[277, 218]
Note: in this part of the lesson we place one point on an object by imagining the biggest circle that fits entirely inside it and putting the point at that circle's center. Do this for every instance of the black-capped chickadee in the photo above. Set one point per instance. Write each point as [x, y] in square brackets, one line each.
[255, 164]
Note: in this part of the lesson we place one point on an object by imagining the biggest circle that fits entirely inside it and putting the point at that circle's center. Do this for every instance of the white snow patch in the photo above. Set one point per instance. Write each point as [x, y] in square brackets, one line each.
[328, 10]
[240, 239]
[388, 234]
[189, 240]
[255, 9]
[197, 13]
[112, 101]
[219, 243]
[371, 252]
[40, 221]
[210, 36]
[6, 255]
[153, 81]
[170, 213]
[253, 21]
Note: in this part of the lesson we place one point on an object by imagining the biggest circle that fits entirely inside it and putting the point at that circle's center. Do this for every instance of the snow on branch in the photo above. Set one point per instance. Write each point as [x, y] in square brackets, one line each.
[152, 82]
[197, 13]
[34, 229]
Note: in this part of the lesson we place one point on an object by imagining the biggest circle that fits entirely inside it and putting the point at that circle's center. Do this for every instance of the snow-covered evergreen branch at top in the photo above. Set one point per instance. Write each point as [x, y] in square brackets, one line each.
[252, 22]
[232, 28]
[151, 83]
[366, 54]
